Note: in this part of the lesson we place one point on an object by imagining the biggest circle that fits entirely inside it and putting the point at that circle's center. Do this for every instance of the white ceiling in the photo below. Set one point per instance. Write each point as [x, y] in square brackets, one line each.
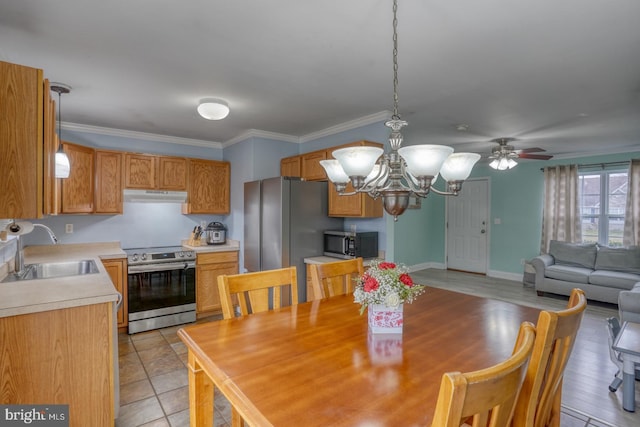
[561, 75]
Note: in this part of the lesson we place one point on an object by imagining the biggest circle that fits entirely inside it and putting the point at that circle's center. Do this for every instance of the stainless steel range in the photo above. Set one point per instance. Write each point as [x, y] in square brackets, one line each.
[161, 287]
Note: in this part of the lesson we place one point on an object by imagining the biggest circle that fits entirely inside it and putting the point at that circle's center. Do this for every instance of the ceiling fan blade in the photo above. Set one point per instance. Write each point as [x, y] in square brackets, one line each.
[531, 150]
[534, 156]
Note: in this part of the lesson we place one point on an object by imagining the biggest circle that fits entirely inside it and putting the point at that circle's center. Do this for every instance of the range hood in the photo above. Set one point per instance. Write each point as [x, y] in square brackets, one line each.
[154, 196]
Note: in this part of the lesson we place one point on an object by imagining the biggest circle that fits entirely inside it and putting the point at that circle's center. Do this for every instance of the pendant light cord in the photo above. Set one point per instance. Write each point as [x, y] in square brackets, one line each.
[395, 60]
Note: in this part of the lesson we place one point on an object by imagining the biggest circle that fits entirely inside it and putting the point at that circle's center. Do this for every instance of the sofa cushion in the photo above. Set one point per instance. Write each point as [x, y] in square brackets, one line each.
[568, 273]
[573, 254]
[619, 259]
[614, 279]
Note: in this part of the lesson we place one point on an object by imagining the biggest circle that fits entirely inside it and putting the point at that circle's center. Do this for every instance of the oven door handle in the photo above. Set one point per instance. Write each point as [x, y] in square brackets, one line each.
[160, 267]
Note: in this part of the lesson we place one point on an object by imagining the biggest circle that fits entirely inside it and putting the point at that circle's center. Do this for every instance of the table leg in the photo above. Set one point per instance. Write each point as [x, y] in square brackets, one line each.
[200, 395]
[628, 385]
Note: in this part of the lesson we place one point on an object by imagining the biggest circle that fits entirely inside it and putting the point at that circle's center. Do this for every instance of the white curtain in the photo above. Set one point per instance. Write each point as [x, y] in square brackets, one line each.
[631, 235]
[561, 212]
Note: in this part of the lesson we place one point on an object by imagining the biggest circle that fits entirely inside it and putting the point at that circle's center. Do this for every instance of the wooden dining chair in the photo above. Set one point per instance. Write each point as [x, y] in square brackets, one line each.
[485, 397]
[539, 402]
[335, 278]
[256, 292]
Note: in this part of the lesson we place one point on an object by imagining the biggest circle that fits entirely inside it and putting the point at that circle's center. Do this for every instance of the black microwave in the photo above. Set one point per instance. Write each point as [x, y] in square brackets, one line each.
[348, 244]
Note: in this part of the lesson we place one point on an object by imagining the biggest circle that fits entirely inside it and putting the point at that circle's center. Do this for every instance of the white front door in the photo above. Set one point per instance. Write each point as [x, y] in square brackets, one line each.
[467, 227]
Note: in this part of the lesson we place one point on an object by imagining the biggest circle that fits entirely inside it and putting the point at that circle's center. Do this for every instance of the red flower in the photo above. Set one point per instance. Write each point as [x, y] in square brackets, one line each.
[370, 284]
[406, 279]
[386, 266]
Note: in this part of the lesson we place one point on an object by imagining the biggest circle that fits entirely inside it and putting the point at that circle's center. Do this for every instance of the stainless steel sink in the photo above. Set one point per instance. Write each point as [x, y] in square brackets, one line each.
[48, 270]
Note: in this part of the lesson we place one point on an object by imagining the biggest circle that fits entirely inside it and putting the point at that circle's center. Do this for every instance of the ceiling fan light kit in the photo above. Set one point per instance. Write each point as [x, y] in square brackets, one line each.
[404, 172]
[213, 108]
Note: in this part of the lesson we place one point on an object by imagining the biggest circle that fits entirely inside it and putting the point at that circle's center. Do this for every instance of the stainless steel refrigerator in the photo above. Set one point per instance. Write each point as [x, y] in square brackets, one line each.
[284, 221]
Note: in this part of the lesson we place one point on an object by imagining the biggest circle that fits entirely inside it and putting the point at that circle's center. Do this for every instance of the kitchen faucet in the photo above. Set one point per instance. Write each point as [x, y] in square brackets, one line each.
[18, 229]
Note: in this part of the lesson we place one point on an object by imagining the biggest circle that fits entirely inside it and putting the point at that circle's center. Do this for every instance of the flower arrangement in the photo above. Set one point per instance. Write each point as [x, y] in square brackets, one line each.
[386, 283]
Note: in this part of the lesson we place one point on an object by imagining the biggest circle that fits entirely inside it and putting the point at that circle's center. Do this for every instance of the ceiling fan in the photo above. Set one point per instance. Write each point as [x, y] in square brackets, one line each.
[504, 154]
[506, 150]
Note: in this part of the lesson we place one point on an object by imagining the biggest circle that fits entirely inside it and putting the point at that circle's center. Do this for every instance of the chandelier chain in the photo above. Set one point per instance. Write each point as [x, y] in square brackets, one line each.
[395, 60]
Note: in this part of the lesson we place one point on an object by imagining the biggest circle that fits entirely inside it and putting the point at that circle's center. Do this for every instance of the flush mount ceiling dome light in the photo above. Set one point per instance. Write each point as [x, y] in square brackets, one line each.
[213, 108]
[404, 172]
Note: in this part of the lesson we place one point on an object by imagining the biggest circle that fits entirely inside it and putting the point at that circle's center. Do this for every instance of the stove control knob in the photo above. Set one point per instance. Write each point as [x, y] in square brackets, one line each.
[143, 256]
[189, 254]
[181, 254]
[134, 257]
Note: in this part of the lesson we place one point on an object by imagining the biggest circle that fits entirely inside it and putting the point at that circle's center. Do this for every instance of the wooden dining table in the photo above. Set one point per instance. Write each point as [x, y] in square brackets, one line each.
[316, 363]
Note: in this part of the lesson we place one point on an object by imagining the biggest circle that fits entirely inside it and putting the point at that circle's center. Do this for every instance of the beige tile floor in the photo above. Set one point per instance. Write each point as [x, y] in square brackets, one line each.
[154, 388]
[153, 374]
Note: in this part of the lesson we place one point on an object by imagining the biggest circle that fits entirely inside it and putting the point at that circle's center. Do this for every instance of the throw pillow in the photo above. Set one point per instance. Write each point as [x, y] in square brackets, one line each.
[573, 254]
[626, 260]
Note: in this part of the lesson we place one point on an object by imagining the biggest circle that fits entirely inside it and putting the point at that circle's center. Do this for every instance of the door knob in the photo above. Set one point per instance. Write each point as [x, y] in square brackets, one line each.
[482, 231]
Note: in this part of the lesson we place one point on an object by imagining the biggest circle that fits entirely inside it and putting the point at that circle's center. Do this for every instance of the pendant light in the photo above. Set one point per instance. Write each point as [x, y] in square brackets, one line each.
[62, 160]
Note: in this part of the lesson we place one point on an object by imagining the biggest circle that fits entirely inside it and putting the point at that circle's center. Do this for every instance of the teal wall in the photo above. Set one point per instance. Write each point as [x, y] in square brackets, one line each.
[516, 198]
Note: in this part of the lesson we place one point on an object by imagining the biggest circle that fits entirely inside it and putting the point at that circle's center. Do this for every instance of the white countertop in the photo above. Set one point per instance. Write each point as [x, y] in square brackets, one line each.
[230, 245]
[325, 259]
[32, 296]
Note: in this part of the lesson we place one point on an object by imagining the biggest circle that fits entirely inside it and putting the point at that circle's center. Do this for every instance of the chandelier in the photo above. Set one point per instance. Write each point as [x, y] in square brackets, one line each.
[404, 172]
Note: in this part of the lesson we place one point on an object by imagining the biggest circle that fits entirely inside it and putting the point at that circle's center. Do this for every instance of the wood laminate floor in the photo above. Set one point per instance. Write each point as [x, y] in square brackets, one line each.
[586, 398]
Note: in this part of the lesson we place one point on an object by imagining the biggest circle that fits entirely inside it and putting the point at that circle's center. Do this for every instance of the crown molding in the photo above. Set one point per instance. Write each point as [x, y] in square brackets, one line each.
[255, 133]
[353, 124]
[139, 135]
[628, 150]
[251, 133]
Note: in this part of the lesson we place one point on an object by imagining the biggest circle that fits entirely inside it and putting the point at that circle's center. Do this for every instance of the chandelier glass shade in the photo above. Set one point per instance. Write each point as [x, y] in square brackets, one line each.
[404, 172]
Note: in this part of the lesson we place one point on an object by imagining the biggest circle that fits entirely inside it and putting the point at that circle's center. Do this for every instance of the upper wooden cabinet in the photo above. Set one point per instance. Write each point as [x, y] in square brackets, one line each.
[22, 111]
[311, 168]
[108, 185]
[209, 187]
[172, 173]
[150, 172]
[290, 166]
[357, 205]
[50, 141]
[140, 171]
[77, 191]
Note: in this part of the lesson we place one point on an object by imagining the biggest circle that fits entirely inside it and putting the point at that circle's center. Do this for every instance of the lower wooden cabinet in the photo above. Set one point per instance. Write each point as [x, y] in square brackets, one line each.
[61, 357]
[117, 269]
[208, 267]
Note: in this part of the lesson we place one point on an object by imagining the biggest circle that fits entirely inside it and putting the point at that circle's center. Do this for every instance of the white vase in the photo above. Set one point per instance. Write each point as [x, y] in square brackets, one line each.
[385, 320]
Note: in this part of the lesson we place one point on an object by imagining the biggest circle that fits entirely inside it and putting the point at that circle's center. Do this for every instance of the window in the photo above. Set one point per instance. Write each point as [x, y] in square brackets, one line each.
[603, 196]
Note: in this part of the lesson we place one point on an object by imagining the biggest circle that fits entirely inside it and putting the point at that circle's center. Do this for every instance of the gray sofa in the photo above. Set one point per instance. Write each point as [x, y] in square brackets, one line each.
[601, 272]
[629, 305]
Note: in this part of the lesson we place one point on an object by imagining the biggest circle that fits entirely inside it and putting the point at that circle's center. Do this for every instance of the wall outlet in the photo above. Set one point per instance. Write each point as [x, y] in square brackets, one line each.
[68, 228]
[521, 261]
[203, 224]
